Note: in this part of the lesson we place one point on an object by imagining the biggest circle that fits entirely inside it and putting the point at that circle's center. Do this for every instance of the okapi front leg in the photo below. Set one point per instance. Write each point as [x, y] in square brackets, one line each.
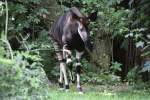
[63, 70]
[59, 55]
[67, 57]
[78, 70]
[67, 54]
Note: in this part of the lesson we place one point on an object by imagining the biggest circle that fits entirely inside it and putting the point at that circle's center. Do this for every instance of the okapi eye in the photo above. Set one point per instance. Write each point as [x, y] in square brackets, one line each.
[81, 29]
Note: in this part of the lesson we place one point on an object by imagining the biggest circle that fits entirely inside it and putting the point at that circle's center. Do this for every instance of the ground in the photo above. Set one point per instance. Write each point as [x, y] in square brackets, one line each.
[99, 92]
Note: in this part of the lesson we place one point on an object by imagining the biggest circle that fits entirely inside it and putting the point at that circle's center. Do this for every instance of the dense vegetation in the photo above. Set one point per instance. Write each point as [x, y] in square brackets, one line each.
[120, 38]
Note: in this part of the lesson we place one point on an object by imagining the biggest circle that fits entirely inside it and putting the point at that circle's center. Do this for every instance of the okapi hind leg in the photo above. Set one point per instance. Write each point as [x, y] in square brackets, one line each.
[61, 79]
[62, 62]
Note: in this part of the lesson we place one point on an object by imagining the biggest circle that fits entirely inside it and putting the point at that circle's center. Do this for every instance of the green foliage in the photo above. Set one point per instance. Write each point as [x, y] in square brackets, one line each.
[23, 77]
[101, 78]
[26, 17]
[110, 20]
[132, 76]
[116, 67]
[93, 75]
[43, 47]
[2, 51]
[145, 86]
[21, 80]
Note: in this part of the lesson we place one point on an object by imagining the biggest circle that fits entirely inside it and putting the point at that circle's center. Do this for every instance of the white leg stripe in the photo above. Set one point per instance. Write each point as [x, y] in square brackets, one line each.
[79, 54]
[61, 76]
[63, 67]
[68, 60]
[59, 56]
[78, 81]
[78, 64]
[67, 51]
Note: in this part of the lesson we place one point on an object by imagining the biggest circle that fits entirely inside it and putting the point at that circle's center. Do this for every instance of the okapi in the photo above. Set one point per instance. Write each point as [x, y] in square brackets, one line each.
[70, 32]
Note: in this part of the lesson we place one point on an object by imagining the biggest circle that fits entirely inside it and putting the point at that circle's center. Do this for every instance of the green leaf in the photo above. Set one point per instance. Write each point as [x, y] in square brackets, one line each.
[36, 20]
[19, 8]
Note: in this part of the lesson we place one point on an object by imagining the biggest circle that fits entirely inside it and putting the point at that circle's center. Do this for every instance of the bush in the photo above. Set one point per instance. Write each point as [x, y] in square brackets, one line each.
[21, 80]
[99, 76]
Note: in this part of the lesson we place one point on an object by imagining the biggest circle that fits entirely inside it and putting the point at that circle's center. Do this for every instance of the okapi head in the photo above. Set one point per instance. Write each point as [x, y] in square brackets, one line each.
[79, 24]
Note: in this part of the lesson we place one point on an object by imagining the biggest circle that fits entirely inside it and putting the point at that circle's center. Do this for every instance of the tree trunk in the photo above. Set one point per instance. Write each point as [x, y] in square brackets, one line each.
[102, 50]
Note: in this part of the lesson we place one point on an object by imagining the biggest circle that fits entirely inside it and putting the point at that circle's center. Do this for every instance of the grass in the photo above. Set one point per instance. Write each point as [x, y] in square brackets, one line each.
[99, 93]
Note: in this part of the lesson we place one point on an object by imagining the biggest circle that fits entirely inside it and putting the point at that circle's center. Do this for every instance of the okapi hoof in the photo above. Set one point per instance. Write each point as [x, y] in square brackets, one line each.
[61, 86]
[66, 88]
[80, 90]
[73, 81]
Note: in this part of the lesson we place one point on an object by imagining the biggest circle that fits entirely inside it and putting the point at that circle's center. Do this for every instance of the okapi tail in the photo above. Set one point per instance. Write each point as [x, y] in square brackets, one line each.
[76, 12]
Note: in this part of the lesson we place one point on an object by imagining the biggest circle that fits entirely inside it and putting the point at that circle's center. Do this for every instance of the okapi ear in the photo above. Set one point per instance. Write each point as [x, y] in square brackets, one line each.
[93, 16]
[76, 12]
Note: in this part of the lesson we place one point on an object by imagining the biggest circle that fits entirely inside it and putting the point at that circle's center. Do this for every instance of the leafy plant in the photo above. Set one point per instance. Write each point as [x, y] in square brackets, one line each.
[19, 79]
[115, 67]
[132, 75]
